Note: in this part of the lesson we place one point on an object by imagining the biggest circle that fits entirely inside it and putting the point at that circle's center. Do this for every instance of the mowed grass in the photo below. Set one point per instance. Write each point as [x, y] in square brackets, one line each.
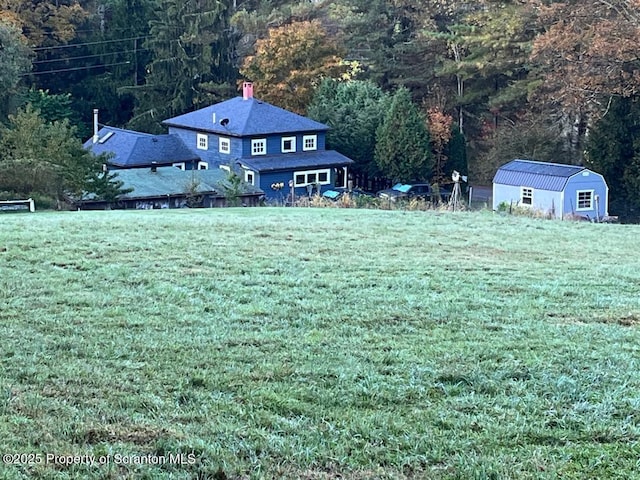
[320, 343]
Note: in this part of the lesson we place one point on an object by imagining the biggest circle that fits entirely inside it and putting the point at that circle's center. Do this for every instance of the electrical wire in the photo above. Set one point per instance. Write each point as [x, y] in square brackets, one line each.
[102, 42]
[75, 69]
[38, 62]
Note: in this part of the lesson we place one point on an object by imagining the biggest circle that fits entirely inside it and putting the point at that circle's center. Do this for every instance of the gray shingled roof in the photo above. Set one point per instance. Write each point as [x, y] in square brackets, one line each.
[173, 181]
[136, 149]
[533, 174]
[289, 161]
[245, 118]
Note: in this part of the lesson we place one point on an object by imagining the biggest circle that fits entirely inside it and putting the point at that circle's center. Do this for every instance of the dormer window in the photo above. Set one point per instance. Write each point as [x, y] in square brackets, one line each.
[202, 142]
[224, 145]
[309, 142]
[288, 144]
[259, 146]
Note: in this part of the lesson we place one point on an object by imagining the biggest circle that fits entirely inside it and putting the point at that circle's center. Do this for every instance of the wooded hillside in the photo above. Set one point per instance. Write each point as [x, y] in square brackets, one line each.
[542, 79]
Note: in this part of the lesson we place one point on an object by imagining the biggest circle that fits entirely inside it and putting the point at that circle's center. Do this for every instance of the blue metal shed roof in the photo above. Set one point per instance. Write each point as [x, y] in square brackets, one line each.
[136, 149]
[291, 161]
[244, 118]
[540, 175]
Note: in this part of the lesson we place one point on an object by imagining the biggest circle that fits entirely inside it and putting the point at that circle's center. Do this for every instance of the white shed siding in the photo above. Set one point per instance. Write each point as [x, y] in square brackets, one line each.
[543, 200]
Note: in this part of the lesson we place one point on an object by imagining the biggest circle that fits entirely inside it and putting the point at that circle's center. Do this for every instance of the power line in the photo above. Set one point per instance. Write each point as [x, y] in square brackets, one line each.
[102, 42]
[74, 69]
[38, 62]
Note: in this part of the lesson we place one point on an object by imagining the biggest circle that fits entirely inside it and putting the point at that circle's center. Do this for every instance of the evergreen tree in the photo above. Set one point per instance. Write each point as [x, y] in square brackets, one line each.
[14, 61]
[613, 150]
[354, 110]
[191, 66]
[403, 150]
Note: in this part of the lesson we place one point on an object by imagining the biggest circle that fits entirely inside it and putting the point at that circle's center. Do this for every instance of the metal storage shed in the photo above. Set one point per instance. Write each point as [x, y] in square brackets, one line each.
[556, 189]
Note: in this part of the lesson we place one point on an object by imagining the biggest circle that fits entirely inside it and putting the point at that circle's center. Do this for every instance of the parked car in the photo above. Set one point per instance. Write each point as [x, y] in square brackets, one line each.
[413, 190]
[336, 194]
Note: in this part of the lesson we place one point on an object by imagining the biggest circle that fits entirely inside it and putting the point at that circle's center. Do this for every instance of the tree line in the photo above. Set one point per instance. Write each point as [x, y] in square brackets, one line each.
[412, 89]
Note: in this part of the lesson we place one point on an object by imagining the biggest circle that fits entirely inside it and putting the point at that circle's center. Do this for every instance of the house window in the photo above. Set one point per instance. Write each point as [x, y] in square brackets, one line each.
[527, 196]
[202, 142]
[203, 166]
[311, 177]
[224, 145]
[259, 146]
[249, 177]
[585, 200]
[288, 144]
[309, 142]
[179, 165]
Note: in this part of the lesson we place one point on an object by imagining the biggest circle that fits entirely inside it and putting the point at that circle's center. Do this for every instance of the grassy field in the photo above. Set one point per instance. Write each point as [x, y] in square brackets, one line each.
[318, 344]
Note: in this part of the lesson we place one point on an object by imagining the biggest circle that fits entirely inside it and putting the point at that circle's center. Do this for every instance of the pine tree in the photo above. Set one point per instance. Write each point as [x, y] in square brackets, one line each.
[403, 150]
[613, 148]
[192, 61]
[354, 110]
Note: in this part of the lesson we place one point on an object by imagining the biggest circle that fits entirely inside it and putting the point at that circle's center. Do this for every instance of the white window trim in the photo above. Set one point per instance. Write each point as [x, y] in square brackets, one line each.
[309, 137]
[180, 165]
[252, 174]
[306, 174]
[293, 144]
[221, 142]
[203, 166]
[592, 197]
[205, 141]
[522, 190]
[259, 141]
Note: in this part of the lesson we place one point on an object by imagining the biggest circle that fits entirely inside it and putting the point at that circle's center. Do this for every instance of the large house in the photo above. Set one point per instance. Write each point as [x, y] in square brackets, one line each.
[275, 150]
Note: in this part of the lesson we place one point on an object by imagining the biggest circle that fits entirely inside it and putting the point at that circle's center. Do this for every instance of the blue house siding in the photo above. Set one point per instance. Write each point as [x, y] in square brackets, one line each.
[270, 180]
[212, 154]
[274, 143]
[587, 181]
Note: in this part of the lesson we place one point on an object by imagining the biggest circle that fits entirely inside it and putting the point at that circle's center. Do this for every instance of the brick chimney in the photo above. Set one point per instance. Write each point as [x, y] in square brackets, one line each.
[247, 90]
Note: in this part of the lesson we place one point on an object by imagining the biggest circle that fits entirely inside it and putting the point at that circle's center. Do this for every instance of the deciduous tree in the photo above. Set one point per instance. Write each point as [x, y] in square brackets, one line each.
[45, 158]
[290, 62]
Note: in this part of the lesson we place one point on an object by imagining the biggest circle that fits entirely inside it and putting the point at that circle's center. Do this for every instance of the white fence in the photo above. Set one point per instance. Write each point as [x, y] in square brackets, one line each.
[13, 205]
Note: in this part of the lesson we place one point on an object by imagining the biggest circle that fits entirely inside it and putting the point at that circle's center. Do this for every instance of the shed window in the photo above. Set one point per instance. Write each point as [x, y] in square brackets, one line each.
[259, 146]
[202, 142]
[179, 165]
[249, 177]
[527, 196]
[203, 166]
[585, 200]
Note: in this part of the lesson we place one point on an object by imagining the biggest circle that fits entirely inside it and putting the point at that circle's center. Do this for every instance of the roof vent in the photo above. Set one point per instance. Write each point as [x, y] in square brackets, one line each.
[247, 90]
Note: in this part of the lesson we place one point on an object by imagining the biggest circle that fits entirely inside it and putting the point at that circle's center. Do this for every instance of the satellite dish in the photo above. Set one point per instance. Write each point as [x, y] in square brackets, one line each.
[224, 122]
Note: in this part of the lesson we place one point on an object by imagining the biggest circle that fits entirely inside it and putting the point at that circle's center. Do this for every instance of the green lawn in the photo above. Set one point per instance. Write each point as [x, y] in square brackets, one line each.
[318, 344]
